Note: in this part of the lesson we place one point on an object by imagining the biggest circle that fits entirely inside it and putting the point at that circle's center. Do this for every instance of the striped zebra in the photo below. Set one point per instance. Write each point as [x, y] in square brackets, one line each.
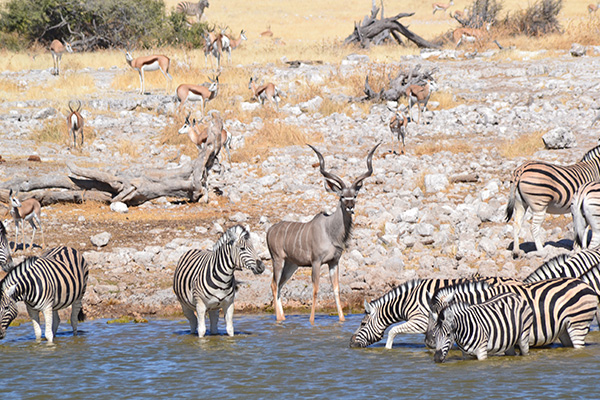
[565, 266]
[6, 261]
[47, 284]
[544, 187]
[204, 280]
[585, 209]
[492, 327]
[407, 302]
[563, 308]
[192, 9]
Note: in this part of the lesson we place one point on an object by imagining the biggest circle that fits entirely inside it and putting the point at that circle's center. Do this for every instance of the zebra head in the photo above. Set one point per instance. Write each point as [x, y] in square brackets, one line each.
[242, 250]
[6, 260]
[443, 332]
[371, 327]
[8, 309]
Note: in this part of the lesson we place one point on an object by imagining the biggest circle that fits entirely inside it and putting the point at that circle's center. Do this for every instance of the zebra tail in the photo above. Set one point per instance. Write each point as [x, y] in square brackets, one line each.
[579, 222]
[81, 316]
[510, 207]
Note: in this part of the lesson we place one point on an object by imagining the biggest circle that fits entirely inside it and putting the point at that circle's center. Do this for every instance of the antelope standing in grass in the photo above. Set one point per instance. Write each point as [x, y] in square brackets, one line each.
[419, 95]
[203, 94]
[200, 136]
[192, 9]
[27, 210]
[592, 8]
[398, 124]
[264, 92]
[441, 6]
[150, 63]
[57, 48]
[75, 123]
[319, 241]
[267, 33]
[213, 45]
[230, 43]
[470, 35]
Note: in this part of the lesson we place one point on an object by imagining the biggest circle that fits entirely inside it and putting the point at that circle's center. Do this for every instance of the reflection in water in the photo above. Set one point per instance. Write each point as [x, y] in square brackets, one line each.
[266, 359]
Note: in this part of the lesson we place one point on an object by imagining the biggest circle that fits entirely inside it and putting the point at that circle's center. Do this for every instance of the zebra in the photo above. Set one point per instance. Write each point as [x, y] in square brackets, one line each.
[563, 308]
[545, 187]
[47, 284]
[192, 9]
[204, 280]
[6, 261]
[585, 209]
[407, 302]
[565, 266]
[492, 327]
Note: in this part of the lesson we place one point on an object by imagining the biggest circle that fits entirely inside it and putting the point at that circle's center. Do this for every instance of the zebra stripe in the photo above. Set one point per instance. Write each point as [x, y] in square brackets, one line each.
[586, 211]
[563, 308]
[6, 261]
[193, 9]
[565, 266]
[491, 327]
[46, 284]
[544, 187]
[204, 279]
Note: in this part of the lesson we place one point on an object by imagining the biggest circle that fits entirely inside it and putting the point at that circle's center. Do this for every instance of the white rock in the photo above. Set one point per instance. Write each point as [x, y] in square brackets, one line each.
[101, 239]
[435, 183]
[559, 138]
[119, 207]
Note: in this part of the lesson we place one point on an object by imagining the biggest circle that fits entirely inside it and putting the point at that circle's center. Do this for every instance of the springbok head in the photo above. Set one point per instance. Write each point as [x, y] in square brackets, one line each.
[68, 47]
[14, 200]
[243, 35]
[335, 184]
[187, 125]
[242, 250]
[214, 83]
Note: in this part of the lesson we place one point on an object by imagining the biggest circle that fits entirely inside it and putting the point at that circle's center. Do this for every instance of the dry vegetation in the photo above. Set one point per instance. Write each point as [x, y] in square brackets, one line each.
[525, 146]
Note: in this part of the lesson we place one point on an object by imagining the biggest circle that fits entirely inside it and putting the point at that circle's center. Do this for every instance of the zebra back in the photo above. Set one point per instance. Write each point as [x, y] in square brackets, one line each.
[592, 278]
[6, 261]
[565, 266]
[190, 8]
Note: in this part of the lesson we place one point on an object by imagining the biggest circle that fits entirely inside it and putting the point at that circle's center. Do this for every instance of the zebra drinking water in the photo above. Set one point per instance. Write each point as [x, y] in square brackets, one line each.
[47, 284]
[6, 261]
[495, 326]
[204, 279]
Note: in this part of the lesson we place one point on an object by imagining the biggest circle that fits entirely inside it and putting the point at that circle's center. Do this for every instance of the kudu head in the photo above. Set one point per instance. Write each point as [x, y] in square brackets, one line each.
[335, 184]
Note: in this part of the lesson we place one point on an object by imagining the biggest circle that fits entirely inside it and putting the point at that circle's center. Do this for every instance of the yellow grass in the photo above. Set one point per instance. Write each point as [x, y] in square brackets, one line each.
[436, 145]
[523, 146]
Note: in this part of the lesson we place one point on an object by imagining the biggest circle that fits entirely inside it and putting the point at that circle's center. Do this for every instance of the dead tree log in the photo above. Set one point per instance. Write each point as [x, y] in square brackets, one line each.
[397, 85]
[376, 31]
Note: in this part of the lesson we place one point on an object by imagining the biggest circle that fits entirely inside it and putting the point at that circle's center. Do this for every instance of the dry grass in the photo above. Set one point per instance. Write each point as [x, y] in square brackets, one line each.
[523, 146]
[273, 135]
[54, 131]
[434, 146]
[446, 100]
[128, 147]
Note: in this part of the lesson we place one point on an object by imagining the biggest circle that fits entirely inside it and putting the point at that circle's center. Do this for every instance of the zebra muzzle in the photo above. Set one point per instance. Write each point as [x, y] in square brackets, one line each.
[439, 356]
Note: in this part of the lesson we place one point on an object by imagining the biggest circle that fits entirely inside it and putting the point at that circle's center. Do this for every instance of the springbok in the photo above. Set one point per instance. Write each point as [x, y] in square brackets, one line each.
[150, 63]
[203, 94]
[441, 6]
[419, 95]
[264, 92]
[459, 14]
[592, 8]
[199, 137]
[398, 124]
[208, 142]
[27, 210]
[470, 35]
[319, 241]
[229, 43]
[267, 33]
[75, 123]
[57, 48]
[213, 45]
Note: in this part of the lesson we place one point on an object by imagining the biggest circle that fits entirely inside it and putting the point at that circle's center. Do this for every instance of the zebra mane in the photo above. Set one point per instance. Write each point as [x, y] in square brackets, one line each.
[592, 154]
[396, 292]
[231, 235]
[2, 228]
[553, 268]
[474, 286]
[29, 261]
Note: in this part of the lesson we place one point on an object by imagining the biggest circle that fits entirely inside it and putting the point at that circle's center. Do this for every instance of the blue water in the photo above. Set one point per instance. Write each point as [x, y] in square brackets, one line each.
[266, 359]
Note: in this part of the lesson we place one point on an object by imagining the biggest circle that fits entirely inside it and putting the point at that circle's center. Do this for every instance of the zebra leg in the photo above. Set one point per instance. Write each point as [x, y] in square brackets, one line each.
[75, 308]
[576, 333]
[334, 277]
[595, 241]
[191, 316]
[536, 228]
[55, 322]
[413, 326]
[510, 351]
[228, 310]
[201, 314]
[481, 352]
[519, 217]
[316, 267]
[213, 316]
[35, 320]
[524, 342]
[48, 313]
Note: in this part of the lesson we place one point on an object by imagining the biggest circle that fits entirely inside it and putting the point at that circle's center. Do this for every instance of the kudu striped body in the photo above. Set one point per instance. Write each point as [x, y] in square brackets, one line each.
[493, 327]
[6, 261]
[204, 279]
[563, 308]
[585, 209]
[27, 210]
[319, 241]
[150, 63]
[48, 284]
[192, 9]
[547, 188]
[57, 48]
[565, 266]
[75, 124]
[203, 94]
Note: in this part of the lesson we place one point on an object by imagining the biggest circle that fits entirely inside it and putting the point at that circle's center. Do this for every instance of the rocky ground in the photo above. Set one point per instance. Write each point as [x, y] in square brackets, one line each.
[413, 218]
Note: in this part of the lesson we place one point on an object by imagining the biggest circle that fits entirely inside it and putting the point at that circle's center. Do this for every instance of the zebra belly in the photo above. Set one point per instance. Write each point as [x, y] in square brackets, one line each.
[154, 66]
[554, 208]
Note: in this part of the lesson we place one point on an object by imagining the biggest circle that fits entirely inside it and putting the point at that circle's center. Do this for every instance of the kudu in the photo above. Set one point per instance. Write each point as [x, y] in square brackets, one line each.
[27, 210]
[75, 123]
[319, 241]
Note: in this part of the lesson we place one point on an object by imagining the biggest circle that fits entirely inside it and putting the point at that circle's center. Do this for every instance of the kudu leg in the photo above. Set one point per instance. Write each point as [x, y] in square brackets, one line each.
[315, 280]
[275, 288]
[334, 276]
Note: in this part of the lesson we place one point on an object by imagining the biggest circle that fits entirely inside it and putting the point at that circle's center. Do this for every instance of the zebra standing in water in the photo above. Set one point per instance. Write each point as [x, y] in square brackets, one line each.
[544, 187]
[495, 326]
[6, 261]
[204, 279]
[565, 266]
[47, 284]
[586, 212]
[192, 9]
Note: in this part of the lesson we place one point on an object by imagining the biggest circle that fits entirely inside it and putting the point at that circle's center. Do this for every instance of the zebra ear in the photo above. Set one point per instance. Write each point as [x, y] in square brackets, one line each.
[449, 298]
[368, 308]
[10, 291]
